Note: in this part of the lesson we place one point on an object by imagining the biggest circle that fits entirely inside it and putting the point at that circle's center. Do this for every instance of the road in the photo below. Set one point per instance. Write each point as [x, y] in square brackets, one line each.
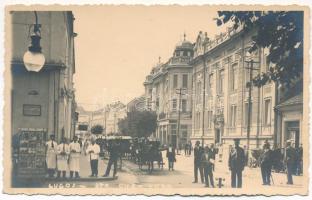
[181, 177]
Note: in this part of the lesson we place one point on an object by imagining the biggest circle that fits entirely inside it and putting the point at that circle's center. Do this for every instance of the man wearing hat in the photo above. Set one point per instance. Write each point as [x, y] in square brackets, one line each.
[207, 163]
[290, 159]
[236, 164]
[266, 164]
[198, 152]
[51, 152]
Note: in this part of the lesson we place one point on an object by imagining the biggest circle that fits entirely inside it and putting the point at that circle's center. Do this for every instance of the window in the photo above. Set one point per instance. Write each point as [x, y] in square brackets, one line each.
[208, 123]
[184, 53]
[233, 116]
[173, 129]
[177, 53]
[157, 102]
[198, 120]
[184, 131]
[188, 53]
[234, 77]
[184, 81]
[267, 112]
[183, 105]
[267, 63]
[246, 113]
[175, 81]
[221, 81]
[198, 91]
[210, 82]
[174, 104]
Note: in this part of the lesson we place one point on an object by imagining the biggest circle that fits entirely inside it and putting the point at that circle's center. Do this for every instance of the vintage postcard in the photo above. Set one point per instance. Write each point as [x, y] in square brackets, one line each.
[156, 100]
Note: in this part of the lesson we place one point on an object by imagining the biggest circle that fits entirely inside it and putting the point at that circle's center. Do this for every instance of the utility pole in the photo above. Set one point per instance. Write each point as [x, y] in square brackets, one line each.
[179, 92]
[249, 102]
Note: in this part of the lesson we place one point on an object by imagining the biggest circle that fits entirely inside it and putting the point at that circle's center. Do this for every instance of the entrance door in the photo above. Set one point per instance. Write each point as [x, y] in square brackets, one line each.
[293, 132]
[218, 136]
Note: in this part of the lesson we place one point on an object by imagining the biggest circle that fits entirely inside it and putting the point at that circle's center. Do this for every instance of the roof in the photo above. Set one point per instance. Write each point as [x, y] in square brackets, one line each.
[295, 100]
[184, 45]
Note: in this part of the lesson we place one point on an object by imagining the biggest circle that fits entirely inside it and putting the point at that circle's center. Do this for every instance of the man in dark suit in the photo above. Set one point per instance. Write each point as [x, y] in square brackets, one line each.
[236, 164]
[291, 155]
[207, 163]
[198, 151]
[113, 157]
[266, 164]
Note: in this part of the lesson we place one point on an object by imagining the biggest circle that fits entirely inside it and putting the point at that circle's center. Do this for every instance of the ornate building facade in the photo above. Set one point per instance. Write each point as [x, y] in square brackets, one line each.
[168, 90]
[222, 67]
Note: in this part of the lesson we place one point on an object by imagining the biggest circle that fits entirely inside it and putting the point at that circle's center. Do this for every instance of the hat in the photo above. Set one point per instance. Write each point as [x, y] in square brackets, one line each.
[236, 139]
[197, 142]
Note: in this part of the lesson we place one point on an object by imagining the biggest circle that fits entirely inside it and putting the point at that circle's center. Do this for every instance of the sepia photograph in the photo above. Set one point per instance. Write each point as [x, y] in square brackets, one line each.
[156, 100]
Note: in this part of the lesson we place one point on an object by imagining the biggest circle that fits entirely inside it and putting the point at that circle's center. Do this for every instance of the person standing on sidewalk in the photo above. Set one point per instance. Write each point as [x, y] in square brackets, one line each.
[171, 156]
[74, 159]
[113, 158]
[93, 150]
[266, 164]
[198, 151]
[236, 164]
[51, 152]
[62, 158]
[213, 151]
[290, 161]
[207, 161]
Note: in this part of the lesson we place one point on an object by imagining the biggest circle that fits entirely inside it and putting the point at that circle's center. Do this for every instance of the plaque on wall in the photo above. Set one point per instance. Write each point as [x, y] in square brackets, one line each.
[31, 110]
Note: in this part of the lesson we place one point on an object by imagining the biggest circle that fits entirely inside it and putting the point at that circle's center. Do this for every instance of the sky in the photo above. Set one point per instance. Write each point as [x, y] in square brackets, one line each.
[117, 46]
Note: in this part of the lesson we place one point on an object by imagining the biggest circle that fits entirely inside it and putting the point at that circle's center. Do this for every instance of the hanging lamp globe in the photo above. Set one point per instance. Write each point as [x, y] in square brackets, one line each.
[33, 58]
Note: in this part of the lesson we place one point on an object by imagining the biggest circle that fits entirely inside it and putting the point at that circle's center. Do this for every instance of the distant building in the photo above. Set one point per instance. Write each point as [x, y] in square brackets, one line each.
[44, 100]
[109, 117]
[137, 104]
[162, 88]
[83, 123]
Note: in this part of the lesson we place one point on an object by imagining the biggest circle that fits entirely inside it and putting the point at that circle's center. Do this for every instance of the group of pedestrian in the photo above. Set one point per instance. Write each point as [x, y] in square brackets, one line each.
[64, 156]
[188, 149]
[204, 162]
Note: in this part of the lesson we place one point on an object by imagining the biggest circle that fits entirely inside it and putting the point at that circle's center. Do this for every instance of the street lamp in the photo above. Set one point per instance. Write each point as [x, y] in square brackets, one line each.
[34, 59]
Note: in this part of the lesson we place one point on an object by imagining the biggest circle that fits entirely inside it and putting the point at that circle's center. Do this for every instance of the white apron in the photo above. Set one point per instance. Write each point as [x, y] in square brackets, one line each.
[74, 159]
[62, 159]
[51, 154]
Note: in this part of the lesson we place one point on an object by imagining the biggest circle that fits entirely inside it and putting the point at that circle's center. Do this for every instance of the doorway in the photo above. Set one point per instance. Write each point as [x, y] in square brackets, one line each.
[293, 132]
[217, 136]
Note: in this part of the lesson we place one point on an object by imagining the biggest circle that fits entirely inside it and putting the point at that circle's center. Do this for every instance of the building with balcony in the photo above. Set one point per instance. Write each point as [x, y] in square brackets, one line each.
[168, 90]
[221, 67]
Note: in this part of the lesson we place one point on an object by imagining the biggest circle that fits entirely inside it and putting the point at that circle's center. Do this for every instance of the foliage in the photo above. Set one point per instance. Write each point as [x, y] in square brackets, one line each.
[97, 129]
[279, 31]
[138, 124]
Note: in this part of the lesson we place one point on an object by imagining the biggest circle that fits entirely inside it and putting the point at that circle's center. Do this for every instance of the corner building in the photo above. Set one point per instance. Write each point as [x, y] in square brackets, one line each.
[162, 88]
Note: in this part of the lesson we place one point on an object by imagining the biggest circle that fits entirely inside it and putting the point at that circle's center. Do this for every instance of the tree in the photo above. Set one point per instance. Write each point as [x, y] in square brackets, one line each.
[97, 129]
[138, 123]
[279, 31]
